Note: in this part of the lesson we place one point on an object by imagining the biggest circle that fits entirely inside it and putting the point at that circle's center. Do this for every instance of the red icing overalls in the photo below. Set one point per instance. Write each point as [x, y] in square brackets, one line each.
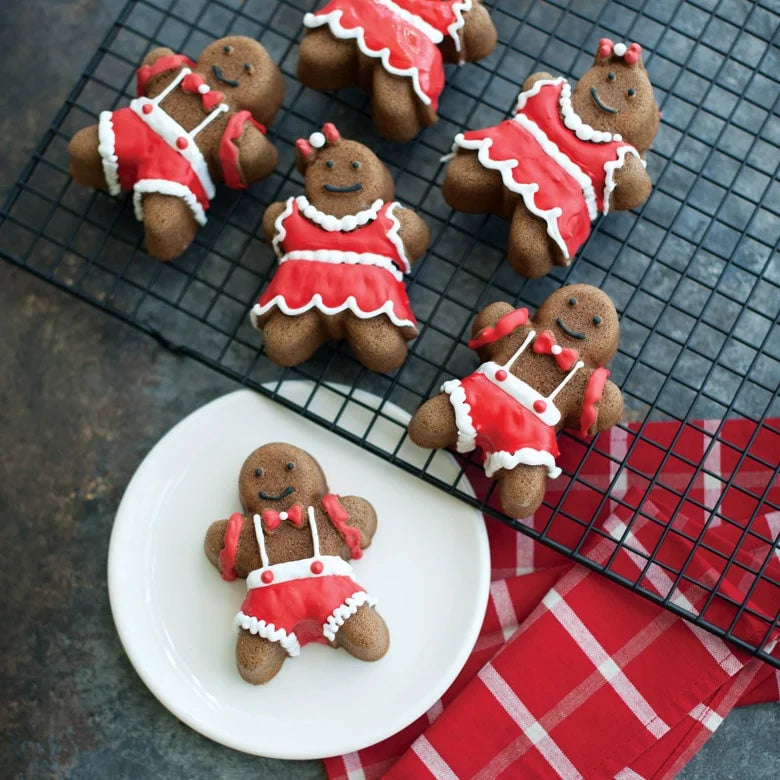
[355, 263]
[563, 168]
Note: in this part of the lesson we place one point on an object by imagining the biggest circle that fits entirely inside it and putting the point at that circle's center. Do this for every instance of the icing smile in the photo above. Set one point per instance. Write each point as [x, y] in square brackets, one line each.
[573, 333]
[352, 187]
[220, 77]
[595, 96]
[270, 497]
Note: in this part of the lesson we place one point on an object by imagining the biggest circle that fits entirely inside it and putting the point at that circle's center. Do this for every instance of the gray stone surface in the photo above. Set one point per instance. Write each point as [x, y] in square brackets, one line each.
[83, 398]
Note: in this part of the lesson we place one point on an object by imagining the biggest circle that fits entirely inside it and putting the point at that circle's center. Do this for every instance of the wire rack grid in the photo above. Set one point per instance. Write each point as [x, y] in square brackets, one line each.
[694, 274]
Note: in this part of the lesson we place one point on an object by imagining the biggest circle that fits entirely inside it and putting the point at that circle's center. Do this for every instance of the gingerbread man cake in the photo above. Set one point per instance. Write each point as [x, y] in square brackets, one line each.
[395, 50]
[565, 157]
[193, 123]
[343, 250]
[539, 375]
[292, 544]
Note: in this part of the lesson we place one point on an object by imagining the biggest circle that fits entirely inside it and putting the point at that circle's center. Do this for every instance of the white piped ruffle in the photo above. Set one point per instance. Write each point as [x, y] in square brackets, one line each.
[467, 433]
[334, 224]
[337, 257]
[339, 615]
[611, 166]
[395, 238]
[166, 187]
[526, 455]
[270, 632]
[107, 152]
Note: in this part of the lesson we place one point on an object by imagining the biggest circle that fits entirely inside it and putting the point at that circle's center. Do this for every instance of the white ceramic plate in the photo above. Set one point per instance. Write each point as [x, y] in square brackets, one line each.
[428, 565]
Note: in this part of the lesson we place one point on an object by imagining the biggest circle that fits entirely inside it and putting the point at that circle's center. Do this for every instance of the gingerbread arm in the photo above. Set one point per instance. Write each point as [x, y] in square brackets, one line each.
[478, 35]
[231, 547]
[155, 54]
[257, 156]
[488, 318]
[610, 407]
[601, 406]
[542, 75]
[632, 185]
[347, 512]
[269, 220]
[413, 232]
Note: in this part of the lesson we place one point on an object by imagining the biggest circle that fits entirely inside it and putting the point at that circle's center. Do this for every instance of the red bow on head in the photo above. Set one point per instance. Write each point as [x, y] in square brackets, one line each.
[273, 519]
[544, 344]
[210, 98]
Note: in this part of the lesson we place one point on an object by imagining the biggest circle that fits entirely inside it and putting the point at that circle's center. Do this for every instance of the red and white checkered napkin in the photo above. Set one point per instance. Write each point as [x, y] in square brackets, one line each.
[575, 676]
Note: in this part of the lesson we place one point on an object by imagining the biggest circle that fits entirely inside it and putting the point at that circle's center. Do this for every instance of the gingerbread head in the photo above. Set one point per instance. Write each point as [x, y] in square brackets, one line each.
[292, 544]
[538, 376]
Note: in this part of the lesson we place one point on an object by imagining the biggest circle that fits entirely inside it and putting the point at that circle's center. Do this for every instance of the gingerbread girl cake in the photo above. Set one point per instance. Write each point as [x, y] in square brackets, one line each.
[395, 50]
[343, 250]
[565, 157]
[539, 375]
[193, 123]
[292, 544]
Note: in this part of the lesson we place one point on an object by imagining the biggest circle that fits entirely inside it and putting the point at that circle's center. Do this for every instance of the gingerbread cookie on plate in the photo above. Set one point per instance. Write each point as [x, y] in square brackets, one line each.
[539, 375]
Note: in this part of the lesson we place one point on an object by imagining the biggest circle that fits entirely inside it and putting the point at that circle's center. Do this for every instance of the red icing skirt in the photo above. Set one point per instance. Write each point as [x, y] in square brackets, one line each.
[365, 290]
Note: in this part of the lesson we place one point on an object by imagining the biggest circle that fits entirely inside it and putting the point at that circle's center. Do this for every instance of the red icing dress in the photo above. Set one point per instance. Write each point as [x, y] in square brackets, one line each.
[563, 168]
[146, 150]
[404, 34]
[298, 602]
[355, 263]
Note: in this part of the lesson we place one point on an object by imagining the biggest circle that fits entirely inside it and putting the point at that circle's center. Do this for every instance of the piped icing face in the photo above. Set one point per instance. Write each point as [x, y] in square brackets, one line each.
[342, 177]
[277, 476]
[582, 318]
[616, 96]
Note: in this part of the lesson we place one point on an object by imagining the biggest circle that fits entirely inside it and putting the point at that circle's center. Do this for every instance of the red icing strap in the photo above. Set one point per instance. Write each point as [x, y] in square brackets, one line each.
[339, 516]
[503, 327]
[227, 555]
[228, 150]
[160, 65]
[593, 392]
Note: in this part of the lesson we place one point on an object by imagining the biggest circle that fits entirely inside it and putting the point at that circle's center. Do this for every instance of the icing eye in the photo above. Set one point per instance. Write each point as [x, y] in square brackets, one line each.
[611, 76]
[631, 92]
[290, 466]
[329, 163]
[597, 320]
[572, 301]
[356, 164]
[228, 48]
[258, 472]
[248, 67]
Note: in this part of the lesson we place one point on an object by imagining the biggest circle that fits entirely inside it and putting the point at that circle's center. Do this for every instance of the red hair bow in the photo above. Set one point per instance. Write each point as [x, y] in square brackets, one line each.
[544, 344]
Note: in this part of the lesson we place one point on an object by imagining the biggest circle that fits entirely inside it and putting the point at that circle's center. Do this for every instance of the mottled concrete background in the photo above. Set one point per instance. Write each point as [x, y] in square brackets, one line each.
[82, 399]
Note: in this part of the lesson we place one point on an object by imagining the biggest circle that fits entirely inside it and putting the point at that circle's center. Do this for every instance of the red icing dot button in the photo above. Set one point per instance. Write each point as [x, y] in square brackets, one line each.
[147, 108]
[182, 142]
[501, 375]
[317, 567]
[540, 405]
[267, 576]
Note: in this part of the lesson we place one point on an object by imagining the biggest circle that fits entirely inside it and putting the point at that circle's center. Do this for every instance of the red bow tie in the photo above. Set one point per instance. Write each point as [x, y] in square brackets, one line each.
[273, 519]
[210, 98]
[544, 344]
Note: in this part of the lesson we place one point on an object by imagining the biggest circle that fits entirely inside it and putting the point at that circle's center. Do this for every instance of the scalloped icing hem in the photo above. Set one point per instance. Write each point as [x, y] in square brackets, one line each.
[107, 152]
[339, 616]
[350, 304]
[467, 434]
[613, 165]
[166, 187]
[270, 632]
[525, 455]
[333, 21]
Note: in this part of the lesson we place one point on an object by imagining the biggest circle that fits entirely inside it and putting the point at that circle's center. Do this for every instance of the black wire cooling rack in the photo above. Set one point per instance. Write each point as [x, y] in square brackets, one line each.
[694, 273]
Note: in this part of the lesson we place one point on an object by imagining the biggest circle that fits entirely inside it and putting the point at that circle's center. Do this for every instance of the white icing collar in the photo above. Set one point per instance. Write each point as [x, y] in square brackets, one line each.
[338, 224]
[574, 122]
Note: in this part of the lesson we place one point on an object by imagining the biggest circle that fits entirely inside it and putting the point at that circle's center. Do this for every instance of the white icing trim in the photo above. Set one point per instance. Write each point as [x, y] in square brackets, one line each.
[340, 615]
[333, 20]
[165, 126]
[337, 257]
[279, 228]
[165, 187]
[467, 433]
[426, 29]
[580, 128]
[332, 224]
[220, 109]
[260, 536]
[299, 570]
[107, 152]
[270, 632]
[609, 169]
[536, 88]
[527, 455]
[522, 393]
[395, 238]
[455, 27]
[574, 369]
[350, 304]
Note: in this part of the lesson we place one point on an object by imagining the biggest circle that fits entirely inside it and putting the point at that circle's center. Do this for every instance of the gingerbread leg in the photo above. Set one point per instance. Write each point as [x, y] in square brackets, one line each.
[169, 225]
[522, 489]
[470, 187]
[326, 62]
[289, 340]
[433, 425]
[398, 112]
[86, 165]
[377, 343]
[364, 635]
[531, 252]
[258, 660]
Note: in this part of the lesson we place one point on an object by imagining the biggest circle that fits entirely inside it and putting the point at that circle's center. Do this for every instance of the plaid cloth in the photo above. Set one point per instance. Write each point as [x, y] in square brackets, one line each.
[573, 675]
